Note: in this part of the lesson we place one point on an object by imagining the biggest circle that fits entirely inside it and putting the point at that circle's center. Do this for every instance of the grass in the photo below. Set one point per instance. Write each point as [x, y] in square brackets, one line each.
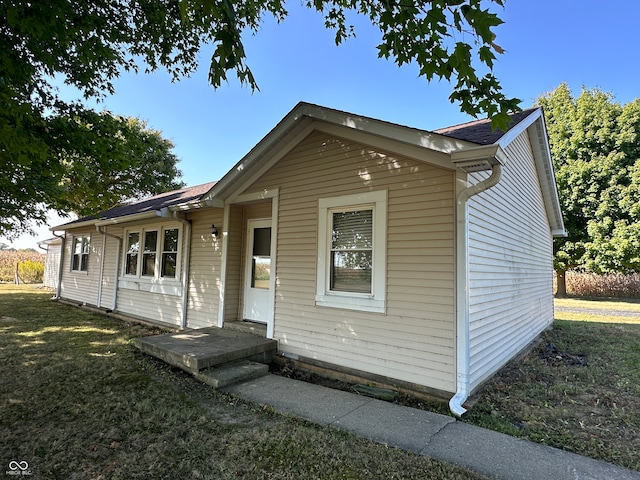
[77, 401]
[552, 398]
[599, 310]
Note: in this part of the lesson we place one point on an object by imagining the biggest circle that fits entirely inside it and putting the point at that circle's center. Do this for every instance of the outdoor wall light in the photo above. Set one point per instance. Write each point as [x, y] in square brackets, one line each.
[214, 230]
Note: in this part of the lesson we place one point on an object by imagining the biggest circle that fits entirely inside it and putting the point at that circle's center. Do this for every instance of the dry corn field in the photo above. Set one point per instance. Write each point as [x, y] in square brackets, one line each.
[611, 285]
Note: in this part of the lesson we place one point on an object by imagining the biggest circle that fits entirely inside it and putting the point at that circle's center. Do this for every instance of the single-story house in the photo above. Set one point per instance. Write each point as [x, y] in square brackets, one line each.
[421, 258]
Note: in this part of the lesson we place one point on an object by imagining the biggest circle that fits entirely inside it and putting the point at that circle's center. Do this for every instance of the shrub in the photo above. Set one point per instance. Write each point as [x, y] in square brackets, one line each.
[27, 273]
[31, 271]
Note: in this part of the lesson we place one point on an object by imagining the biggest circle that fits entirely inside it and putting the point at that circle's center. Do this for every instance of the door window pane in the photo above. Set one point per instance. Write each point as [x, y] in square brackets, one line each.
[262, 241]
[261, 268]
[261, 272]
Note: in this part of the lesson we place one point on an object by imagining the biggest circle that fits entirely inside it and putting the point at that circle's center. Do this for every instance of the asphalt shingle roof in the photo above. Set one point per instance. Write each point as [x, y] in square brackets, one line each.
[479, 131]
[157, 202]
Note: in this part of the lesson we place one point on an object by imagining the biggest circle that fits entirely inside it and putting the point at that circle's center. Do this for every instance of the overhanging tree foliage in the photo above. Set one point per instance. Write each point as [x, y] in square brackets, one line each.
[595, 143]
[115, 158]
[88, 43]
[86, 162]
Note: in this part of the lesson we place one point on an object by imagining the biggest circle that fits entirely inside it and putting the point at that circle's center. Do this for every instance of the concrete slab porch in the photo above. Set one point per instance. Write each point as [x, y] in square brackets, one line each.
[195, 350]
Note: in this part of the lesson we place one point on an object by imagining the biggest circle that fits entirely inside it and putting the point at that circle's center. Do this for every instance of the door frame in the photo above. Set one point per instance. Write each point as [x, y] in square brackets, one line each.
[251, 225]
[271, 194]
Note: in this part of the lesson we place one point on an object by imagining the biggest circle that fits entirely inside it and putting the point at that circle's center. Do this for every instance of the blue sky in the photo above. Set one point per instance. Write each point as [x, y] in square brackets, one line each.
[547, 42]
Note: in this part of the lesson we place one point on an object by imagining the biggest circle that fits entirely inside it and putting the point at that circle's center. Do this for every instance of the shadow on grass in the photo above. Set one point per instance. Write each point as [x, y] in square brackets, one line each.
[78, 401]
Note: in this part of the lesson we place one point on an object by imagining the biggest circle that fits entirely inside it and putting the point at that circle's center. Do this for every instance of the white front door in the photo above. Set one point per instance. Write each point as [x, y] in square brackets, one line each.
[258, 296]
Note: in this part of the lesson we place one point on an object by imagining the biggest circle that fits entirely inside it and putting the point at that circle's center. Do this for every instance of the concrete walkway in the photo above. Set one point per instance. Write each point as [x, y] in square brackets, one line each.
[492, 454]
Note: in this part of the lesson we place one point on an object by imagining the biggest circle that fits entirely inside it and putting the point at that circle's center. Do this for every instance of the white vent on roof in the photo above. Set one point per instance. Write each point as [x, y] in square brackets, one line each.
[470, 166]
[478, 159]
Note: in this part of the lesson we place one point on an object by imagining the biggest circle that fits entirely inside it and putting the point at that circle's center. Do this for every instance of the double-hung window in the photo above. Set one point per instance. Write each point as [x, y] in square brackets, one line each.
[133, 251]
[80, 254]
[351, 269]
[149, 253]
[169, 253]
[152, 253]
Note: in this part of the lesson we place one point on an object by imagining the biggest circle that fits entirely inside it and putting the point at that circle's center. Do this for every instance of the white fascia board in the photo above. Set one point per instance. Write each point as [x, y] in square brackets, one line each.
[196, 205]
[534, 125]
[522, 126]
[305, 117]
[289, 125]
[69, 226]
[391, 131]
[164, 212]
[537, 132]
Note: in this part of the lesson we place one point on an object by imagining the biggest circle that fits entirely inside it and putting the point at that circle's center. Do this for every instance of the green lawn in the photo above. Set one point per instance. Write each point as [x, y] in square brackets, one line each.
[578, 390]
[77, 401]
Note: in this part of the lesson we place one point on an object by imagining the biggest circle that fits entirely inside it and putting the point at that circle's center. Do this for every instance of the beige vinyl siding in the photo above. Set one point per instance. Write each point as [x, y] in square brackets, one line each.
[154, 307]
[232, 288]
[414, 340]
[510, 265]
[82, 286]
[204, 269]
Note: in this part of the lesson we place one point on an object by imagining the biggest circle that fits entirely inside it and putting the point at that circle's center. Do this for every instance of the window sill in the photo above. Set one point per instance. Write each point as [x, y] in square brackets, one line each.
[359, 303]
[80, 272]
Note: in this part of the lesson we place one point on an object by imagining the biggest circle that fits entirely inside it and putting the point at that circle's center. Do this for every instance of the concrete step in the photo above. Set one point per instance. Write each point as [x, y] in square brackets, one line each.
[231, 373]
[195, 350]
[259, 329]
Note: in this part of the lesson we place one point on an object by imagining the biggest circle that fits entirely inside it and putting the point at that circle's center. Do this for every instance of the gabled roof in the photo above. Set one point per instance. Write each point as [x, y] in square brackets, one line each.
[450, 148]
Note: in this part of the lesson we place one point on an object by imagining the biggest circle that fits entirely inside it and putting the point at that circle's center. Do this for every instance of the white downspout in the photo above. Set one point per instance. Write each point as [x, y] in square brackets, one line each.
[462, 287]
[60, 262]
[101, 274]
[118, 249]
[185, 267]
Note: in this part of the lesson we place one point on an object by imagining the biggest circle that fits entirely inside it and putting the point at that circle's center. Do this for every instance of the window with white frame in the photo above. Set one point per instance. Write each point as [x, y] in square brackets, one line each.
[351, 269]
[133, 250]
[169, 253]
[80, 254]
[152, 253]
[149, 253]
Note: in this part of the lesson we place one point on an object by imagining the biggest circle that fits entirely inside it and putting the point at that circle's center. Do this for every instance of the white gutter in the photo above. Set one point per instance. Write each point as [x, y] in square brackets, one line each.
[468, 164]
[118, 249]
[185, 266]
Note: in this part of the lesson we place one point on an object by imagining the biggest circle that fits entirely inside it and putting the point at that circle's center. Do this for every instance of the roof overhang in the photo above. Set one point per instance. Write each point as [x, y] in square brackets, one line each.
[306, 118]
[102, 222]
[536, 129]
[479, 159]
